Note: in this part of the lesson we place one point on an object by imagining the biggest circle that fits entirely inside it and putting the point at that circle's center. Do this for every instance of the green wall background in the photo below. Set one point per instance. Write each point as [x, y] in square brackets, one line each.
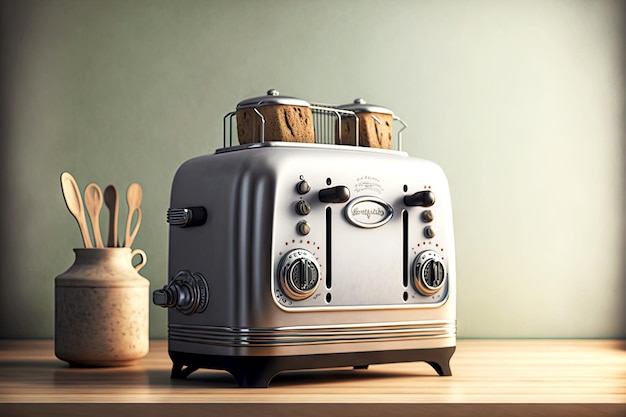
[522, 102]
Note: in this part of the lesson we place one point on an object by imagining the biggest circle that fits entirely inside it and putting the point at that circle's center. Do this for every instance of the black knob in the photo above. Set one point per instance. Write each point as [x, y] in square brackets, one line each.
[164, 297]
[420, 199]
[187, 292]
[338, 194]
[303, 207]
[187, 217]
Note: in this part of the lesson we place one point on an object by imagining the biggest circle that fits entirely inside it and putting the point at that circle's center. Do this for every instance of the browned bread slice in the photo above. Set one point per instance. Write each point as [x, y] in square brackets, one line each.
[282, 123]
[372, 133]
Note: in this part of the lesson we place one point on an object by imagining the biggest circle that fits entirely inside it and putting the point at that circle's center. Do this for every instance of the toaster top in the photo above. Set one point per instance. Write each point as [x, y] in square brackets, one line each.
[304, 146]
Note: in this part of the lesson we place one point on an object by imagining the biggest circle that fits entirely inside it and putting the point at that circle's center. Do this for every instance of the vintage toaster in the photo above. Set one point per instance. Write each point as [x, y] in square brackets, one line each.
[286, 256]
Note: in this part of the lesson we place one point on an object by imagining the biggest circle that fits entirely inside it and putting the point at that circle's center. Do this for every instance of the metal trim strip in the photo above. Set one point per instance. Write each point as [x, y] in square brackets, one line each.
[310, 335]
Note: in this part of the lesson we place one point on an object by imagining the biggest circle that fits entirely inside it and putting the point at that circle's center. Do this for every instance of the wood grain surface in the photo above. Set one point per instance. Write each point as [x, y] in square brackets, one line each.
[498, 377]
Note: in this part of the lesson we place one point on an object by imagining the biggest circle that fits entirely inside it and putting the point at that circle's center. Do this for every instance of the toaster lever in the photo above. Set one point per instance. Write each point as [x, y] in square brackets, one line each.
[338, 194]
[420, 199]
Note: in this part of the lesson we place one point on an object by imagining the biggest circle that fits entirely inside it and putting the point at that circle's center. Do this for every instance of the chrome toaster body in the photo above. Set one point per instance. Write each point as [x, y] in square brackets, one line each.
[290, 256]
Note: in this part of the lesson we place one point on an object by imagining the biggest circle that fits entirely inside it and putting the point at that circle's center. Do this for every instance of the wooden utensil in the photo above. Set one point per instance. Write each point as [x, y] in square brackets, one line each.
[134, 195]
[74, 203]
[93, 203]
[113, 204]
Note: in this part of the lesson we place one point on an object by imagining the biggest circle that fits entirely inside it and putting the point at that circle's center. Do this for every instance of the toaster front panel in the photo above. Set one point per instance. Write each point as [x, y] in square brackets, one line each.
[345, 238]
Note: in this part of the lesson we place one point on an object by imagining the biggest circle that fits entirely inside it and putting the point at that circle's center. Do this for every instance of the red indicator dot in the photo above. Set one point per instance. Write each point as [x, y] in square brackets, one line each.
[437, 244]
[442, 249]
[318, 248]
[308, 242]
[418, 245]
[293, 241]
[286, 243]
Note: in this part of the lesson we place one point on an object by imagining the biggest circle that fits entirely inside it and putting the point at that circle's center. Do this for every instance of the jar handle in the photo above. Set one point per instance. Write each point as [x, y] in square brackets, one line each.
[144, 258]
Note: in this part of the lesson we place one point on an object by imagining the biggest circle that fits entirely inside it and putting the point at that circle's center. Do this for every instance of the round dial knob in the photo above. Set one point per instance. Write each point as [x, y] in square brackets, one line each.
[303, 228]
[299, 274]
[303, 187]
[429, 272]
[303, 207]
[429, 232]
[427, 216]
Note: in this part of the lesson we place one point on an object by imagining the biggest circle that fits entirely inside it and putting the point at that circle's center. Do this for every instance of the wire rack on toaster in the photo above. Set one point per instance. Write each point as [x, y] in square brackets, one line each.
[327, 124]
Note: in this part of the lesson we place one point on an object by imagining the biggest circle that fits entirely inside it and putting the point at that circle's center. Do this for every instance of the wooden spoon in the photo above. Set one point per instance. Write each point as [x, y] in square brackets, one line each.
[113, 204]
[74, 203]
[134, 195]
[93, 203]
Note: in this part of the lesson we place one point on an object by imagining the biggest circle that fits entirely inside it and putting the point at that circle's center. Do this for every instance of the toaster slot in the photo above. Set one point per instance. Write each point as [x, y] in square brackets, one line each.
[405, 250]
[329, 230]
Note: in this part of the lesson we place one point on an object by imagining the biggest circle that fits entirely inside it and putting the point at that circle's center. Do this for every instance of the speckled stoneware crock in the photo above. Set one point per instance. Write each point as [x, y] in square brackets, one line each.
[101, 309]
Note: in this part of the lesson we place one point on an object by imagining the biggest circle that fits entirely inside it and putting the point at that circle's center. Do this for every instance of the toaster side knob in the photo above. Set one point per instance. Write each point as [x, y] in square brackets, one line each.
[420, 199]
[338, 194]
[187, 292]
[187, 217]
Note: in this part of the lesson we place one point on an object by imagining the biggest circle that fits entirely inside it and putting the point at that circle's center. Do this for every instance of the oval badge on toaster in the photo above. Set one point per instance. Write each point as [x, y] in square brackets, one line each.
[368, 212]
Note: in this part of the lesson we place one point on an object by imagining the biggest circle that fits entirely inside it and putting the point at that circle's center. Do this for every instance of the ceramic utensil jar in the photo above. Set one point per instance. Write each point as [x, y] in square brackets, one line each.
[101, 308]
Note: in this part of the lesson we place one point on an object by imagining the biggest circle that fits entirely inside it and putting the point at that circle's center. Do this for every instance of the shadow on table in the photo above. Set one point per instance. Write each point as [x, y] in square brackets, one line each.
[61, 374]
[222, 379]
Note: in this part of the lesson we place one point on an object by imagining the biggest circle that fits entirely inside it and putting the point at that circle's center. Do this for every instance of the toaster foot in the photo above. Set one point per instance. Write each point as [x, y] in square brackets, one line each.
[442, 368]
[258, 371]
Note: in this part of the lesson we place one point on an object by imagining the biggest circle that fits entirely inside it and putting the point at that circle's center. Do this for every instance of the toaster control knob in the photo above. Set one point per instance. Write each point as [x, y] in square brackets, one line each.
[303, 207]
[338, 194]
[429, 273]
[187, 292]
[303, 228]
[429, 232]
[427, 216]
[420, 199]
[187, 217]
[299, 274]
[303, 187]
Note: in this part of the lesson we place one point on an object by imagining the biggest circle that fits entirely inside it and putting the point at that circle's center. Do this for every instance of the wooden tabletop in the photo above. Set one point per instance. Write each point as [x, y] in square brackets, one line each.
[490, 377]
